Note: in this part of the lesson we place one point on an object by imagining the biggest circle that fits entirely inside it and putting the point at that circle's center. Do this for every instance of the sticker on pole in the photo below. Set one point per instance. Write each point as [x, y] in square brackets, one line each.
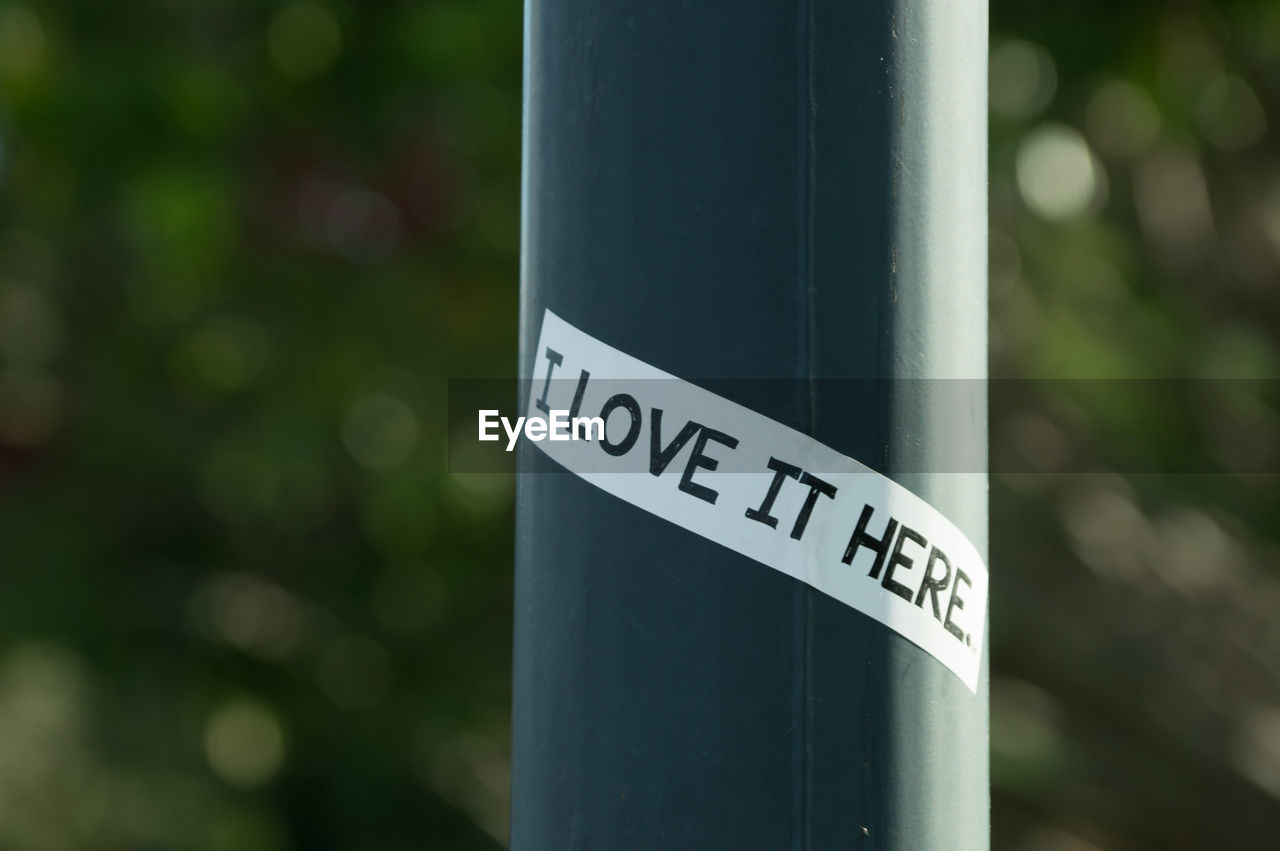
[760, 488]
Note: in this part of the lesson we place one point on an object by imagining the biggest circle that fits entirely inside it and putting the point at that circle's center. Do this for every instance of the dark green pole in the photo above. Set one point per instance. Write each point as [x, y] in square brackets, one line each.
[791, 195]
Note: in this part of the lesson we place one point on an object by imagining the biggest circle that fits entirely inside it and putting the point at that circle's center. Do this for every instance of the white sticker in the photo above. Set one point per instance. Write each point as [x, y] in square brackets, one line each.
[767, 491]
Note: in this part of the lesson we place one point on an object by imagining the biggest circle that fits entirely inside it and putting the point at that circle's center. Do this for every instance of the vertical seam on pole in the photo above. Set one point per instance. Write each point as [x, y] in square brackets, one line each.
[802, 610]
[811, 109]
[799, 674]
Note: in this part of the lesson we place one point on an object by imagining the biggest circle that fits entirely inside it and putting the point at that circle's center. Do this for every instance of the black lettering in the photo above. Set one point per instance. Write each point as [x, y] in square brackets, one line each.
[956, 603]
[699, 460]
[934, 586]
[781, 470]
[621, 400]
[879, 546]
[660, 458]
[577, 396]
[816, 486]
[554, 359]
[899, 560]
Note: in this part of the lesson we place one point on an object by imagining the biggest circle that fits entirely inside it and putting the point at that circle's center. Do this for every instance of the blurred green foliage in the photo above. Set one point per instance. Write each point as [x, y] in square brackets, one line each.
[1135, 234]
[244, 607]
[242, 245]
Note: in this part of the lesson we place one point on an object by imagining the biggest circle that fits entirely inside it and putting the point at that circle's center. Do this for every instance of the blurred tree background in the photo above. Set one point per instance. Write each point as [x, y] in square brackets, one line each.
[245, 607]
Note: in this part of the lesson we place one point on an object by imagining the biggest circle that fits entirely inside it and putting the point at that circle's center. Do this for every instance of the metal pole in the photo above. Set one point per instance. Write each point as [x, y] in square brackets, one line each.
[791, 194]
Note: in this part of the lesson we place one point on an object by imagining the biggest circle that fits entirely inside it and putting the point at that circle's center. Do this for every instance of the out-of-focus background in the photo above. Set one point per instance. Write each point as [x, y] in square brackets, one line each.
[244, 606]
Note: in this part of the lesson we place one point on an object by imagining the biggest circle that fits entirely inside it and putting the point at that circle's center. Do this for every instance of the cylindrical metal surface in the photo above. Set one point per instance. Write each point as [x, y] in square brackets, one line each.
[751, 190]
